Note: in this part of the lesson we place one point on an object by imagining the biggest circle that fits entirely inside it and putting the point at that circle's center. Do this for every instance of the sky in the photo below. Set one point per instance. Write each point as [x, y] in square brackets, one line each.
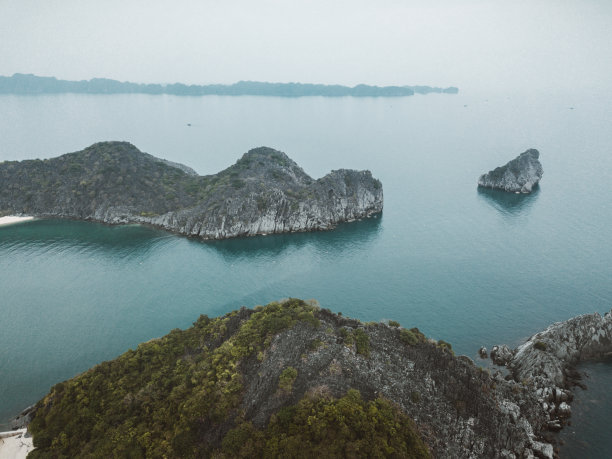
[536, 44]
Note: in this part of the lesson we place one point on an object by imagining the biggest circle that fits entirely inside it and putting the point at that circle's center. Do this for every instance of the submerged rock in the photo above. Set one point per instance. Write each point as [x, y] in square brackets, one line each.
[518, 176]
[113, 182]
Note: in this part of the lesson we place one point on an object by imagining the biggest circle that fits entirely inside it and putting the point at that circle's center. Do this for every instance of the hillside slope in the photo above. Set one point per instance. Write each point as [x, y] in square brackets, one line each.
[287, 378]
[113, 182]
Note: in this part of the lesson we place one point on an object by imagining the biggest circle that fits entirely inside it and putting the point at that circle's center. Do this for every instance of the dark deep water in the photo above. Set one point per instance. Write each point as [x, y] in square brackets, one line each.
[469, 266]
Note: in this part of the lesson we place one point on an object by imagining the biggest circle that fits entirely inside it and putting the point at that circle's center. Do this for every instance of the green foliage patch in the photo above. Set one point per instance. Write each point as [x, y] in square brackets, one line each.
[445, 346]
[328, 427]
[358, 337]
[412, 336]
[286, 379]
[157, 400]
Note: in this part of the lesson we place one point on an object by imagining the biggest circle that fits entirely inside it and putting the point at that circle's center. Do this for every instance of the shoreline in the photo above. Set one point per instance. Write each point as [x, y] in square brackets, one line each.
[14, 219]
[15, 444]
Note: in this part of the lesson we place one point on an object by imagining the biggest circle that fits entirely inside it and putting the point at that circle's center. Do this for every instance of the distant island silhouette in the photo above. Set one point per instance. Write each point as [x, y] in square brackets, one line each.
[21, 83]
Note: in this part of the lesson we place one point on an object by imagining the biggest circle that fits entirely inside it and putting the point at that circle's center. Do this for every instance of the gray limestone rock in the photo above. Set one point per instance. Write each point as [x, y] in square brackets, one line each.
[520, 175]
[544, 363]
[482, 352]
[463, 411]
[501, 355]
[264, 192]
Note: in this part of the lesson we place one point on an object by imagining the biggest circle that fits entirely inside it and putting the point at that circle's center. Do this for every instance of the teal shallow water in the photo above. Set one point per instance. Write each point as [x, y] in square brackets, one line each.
[468, 266]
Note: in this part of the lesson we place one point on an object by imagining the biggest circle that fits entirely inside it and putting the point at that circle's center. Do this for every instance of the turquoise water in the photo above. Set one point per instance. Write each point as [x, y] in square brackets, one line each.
[468, 266]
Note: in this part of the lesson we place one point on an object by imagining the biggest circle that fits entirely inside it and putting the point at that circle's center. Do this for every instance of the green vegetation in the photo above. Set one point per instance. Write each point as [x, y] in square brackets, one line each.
[540, 345]
[327, 427]
[362, 342]
[394, 323]
[182, 396]
[412, 336]
[358, 337]
[286, 379]
[157, 400]
[109, 173]
[445, 346]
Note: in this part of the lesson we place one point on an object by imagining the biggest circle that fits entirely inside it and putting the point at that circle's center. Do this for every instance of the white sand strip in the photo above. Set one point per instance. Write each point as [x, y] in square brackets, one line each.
[14, 444]
[11, 219]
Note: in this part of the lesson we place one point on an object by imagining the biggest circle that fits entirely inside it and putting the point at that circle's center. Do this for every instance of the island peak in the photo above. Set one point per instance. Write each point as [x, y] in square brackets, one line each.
[519, 175]
[113, 182]
[285, 378]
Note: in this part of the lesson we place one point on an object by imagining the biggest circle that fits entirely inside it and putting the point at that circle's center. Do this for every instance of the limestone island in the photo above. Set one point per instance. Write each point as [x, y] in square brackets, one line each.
[292, 379]
[264, 192]
[289, 379]
[520, 175]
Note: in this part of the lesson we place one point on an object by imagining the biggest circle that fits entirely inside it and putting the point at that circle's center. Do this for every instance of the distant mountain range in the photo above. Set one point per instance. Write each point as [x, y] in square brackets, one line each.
[31, 84]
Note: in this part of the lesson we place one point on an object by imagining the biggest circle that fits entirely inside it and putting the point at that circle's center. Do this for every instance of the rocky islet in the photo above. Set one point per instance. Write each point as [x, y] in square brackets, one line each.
[519, 175]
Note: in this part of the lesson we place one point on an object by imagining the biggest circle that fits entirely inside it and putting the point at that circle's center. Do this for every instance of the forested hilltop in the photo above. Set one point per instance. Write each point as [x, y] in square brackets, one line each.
[113, 182]
[287, 380]
[31, 84]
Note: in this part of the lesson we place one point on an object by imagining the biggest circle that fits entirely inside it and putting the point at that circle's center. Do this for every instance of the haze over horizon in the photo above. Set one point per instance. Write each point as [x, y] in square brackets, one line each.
[475, 44]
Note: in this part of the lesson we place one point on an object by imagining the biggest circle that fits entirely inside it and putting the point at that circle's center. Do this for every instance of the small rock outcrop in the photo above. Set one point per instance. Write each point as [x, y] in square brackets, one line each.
[501, 355]
[545, 362]
[113, 182]
[482, 352]
[520, 175]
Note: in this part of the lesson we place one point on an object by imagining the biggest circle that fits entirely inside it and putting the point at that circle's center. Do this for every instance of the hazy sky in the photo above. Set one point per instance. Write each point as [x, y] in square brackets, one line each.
[542, 44]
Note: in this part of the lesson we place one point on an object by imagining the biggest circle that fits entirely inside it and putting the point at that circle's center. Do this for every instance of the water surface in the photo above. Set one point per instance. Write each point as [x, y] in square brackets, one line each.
[473, 267]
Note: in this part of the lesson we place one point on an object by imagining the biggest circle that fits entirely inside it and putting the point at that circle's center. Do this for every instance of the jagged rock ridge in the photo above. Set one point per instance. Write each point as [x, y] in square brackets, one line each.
[518, 176]
[113, 182]
[545, 362]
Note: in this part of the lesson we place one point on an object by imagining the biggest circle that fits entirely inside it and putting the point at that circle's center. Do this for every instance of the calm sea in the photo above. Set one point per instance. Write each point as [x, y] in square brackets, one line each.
[467, 266]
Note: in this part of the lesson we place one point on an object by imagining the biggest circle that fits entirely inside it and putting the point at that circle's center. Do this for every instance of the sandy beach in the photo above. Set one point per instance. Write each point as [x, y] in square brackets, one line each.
[15, 445]
[11, 219]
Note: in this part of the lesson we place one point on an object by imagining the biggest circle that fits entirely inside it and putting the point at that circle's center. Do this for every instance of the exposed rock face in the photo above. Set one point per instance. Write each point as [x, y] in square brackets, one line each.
[518, 176]
[545, 361]
[113, 182]
[462, 411]
[501, 355]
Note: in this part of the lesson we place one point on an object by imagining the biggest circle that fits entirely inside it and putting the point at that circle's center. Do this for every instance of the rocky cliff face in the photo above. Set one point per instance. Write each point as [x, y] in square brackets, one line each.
[113, 182]
[518, 176]
[461, 410]
[546, 360]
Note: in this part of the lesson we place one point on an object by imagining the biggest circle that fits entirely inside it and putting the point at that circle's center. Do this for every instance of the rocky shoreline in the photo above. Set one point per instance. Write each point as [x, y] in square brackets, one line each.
[264, 192]
[545, 363]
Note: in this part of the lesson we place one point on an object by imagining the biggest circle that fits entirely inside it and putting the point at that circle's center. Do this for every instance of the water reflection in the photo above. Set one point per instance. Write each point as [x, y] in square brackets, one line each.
[509, 203]
[344, 237]
[60, 235]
